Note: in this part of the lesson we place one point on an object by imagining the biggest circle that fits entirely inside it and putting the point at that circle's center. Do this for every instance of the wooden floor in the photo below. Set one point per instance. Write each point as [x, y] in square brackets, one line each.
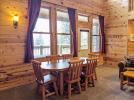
[107, 88]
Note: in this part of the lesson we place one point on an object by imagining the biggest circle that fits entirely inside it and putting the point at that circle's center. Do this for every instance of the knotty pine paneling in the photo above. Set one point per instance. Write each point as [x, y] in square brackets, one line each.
[12, 41]
[130, 43]
[12, 45]
[16, 75]
[89, 6]
[116, 30]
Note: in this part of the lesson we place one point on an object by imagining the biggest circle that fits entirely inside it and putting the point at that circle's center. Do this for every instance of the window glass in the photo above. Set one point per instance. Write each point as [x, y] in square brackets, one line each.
[41, 45]
[41, 34]
[95, 43]
[84, 39]
[95, 30]
[95, 35]
[63, 44]
[124, 2]
[63, 33]
[82, 18]
[63, 25]
[43, 24]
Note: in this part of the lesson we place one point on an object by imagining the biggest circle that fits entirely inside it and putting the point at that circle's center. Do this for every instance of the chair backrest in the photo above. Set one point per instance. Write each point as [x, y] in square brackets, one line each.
[53, 58]
[74, 70]
[37, 71]
[91, 65]
[67, 56]
[93, 55]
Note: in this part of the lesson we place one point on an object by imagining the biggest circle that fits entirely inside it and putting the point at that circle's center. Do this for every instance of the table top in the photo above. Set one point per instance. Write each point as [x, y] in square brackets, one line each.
[62, 65]
[59, 66]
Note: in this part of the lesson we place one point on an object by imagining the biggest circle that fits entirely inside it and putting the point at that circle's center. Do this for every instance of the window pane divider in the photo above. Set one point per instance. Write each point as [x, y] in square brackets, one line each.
[41, 33]
[95, 35]
[63, 34]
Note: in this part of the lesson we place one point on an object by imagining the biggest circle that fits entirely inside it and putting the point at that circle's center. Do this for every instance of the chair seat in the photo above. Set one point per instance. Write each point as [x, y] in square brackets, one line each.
[129, 74]
[49, 78]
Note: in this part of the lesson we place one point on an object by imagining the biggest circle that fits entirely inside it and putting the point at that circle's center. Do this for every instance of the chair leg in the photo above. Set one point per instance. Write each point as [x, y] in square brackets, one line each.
[93, 81]
[69, 91]
[38, 88]
[95, 74]
[121, 83]
[79, 86]
[55, 88]
[86, 83]
[43, 93]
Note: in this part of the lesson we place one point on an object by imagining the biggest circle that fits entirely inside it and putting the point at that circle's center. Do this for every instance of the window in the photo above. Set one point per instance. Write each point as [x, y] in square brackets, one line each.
[124, 2]
[95, 35]
[41, 34]
[84, 39]
[63, 33]
[82, 18]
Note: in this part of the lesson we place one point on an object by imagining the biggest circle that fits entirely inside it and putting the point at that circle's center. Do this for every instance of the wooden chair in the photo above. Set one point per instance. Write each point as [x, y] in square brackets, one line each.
[67, 56]
[43, 81]
[127, 78]
[90, 71]
[73, 75]
[94, 56]
[43, 59]
[53, 58]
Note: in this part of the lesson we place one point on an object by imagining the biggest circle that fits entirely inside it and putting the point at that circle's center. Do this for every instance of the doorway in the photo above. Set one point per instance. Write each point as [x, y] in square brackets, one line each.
[83, 42]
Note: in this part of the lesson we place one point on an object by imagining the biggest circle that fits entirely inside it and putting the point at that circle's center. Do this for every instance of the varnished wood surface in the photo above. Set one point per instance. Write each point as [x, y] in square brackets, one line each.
[73, 75]
[43, 80]
[61, 65]
[3, 77]
[116, 27]
[130, 42]
[16, 75]
[12, 41]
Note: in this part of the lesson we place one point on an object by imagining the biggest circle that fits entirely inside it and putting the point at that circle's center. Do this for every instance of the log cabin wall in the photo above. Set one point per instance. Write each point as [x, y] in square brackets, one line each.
[12, 41]
[12, 44]
[89, 6]
[131, 9]
[116, 29]
[131, 28]
[131, 37]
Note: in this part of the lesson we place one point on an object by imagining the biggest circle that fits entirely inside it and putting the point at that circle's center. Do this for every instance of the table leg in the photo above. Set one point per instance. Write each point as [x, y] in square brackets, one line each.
[61, 83]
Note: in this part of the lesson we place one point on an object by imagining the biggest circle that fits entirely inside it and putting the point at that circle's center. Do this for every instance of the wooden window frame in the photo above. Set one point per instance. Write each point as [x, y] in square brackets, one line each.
[50, 33]
[85, 30]
[62, 9]
[80, 14]
[95, 35]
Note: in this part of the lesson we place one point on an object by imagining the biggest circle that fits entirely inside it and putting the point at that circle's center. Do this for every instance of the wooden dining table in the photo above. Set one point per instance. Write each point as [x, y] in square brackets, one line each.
[59, 67]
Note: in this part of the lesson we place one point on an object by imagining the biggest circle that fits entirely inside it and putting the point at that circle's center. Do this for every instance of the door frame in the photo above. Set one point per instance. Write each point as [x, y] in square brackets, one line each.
[79, 40]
